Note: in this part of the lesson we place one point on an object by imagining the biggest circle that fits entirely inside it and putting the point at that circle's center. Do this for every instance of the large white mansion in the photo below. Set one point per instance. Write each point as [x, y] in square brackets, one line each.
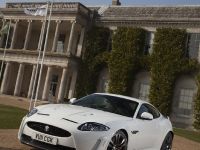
[68, 25]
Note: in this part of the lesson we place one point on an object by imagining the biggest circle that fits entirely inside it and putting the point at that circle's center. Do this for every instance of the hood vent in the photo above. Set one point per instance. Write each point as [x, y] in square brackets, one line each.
[43, 114]
[70, 120]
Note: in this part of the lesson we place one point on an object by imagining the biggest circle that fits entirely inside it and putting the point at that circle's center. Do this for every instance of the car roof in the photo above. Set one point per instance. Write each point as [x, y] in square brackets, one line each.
[122, 96]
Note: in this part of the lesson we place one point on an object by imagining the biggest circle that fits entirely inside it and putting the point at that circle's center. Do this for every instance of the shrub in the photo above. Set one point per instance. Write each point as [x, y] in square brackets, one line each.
[127, 49]
[167, 60]
[94, 59]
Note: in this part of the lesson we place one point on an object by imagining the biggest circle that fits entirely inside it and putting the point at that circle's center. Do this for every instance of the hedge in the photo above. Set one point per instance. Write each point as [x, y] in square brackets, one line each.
[93, 60]
[127, 49]
[169, 60]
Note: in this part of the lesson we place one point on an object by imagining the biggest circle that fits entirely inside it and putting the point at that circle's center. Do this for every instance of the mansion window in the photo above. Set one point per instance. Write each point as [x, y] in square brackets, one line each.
[60, 46]
[144, 91]
[193, 45]
[185, 101]
[149, 43]
[103, 81]
[53, 86]
[104, 86]
[60, 43]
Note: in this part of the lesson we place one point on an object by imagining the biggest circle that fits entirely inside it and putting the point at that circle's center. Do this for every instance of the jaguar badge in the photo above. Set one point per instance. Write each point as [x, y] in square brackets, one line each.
[46, 128]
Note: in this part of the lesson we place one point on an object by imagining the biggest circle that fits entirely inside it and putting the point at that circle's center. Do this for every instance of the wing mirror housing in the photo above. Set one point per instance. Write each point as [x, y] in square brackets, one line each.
[146, 116]
[72, 100]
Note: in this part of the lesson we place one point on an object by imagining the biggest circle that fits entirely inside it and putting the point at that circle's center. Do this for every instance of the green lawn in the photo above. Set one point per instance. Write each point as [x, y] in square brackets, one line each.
[10, 117]
[192, 135]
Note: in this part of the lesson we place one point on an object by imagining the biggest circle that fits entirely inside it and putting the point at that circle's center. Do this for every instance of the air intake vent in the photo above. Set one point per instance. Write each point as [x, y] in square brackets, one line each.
[48, 129]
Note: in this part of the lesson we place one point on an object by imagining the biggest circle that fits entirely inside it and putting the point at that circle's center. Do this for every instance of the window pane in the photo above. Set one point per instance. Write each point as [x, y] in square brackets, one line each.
[185, 101]
[53, 85]
[194, 42]
[60, 47]
[149, 43]
[144, 92]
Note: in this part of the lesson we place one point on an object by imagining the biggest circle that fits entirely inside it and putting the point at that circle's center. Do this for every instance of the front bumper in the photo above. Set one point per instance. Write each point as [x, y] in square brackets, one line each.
[25, 139]
[79, 140]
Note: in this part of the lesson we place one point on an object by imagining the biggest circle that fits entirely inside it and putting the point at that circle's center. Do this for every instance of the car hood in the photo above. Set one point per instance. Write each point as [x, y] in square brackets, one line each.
[79, 114]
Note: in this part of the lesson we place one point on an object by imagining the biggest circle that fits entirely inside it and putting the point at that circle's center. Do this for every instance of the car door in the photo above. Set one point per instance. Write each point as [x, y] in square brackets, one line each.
[144, 133]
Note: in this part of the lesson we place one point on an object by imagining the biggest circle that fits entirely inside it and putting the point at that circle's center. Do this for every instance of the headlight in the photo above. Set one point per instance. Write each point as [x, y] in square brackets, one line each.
[32, 112]
[93, 126]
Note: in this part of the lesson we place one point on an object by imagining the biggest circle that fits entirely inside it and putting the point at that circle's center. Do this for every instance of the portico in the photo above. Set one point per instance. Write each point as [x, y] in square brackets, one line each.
[25, 41]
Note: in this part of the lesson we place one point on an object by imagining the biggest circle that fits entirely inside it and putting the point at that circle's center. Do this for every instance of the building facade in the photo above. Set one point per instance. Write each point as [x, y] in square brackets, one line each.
[66, 34]
[69, 23]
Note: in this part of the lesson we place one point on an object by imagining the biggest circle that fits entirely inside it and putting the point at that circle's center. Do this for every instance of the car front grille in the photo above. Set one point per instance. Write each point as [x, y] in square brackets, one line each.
[48, 129]
[41, 145]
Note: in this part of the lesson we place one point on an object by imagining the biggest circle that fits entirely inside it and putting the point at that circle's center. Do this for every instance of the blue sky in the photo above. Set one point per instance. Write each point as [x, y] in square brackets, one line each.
[125, 2]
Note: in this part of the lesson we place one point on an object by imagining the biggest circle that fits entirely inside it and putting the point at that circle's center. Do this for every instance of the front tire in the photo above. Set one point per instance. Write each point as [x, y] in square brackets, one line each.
[118, 142]
[167, 143]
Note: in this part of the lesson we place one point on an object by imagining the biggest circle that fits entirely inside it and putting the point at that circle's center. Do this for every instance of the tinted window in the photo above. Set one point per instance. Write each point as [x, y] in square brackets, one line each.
[107, 103]
[148, 108]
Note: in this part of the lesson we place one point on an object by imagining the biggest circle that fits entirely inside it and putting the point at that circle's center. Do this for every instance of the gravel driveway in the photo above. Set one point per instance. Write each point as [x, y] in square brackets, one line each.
[9, 141]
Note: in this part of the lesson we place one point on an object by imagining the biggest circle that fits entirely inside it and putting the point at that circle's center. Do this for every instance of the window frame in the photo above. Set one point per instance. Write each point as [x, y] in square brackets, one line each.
[182, 102]
[144, 88]
[192, 48]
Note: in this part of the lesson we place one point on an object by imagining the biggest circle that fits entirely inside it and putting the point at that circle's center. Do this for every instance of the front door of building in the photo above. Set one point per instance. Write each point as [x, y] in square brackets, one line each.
[53, 86]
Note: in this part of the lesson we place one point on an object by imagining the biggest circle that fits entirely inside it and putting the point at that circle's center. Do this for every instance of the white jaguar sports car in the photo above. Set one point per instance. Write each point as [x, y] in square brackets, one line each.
[97, 122]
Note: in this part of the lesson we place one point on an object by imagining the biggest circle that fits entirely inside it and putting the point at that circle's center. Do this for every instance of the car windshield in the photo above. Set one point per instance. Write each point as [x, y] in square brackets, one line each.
[108, 103]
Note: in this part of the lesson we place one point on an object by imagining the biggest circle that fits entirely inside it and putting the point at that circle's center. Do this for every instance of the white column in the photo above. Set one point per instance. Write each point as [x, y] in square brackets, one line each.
[73, 84]
[80, 44]
[31, 81]
[47, 84]
[63, 84]
[28, 34]
[41, 34]
[14, 34]
[2, 36]
[71, 38]
[19, 80]
[5, 78]
[56, 36]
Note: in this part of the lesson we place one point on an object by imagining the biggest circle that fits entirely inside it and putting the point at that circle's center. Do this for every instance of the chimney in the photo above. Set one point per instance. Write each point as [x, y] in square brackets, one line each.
[116, 3]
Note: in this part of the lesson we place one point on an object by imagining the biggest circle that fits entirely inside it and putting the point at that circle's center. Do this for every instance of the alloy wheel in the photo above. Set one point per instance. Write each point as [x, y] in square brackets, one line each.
[118, 142]
[167, 144]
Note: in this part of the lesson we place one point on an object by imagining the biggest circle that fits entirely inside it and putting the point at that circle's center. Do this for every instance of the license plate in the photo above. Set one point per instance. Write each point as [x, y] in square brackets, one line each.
[45, 138]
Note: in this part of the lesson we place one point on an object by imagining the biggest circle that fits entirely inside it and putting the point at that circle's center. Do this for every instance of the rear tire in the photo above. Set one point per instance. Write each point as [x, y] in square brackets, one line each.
[167, 143]
[119, 141]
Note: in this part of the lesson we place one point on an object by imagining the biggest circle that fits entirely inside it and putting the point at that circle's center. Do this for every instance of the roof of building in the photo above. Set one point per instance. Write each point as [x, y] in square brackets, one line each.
[126, 13]
[175, 12]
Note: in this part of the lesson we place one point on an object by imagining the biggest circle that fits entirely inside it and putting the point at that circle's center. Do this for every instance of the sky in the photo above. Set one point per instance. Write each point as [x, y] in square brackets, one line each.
[124, 2]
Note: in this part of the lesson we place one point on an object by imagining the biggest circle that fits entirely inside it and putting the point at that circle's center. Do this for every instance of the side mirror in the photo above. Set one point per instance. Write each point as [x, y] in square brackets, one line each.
[72, 100]
[146, 116]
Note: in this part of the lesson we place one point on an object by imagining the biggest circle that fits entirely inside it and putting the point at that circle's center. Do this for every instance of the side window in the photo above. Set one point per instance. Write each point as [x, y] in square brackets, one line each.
[150, 109]
[153, 111]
